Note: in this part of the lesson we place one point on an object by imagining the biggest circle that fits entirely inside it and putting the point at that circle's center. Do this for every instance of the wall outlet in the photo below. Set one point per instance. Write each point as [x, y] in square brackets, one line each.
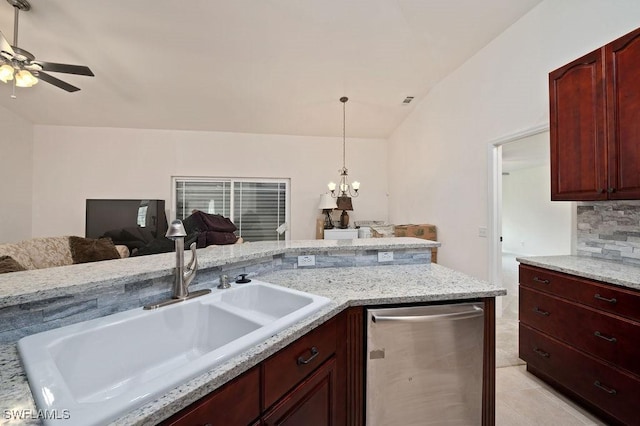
[385, 256]
[482, 232]
[309, 260]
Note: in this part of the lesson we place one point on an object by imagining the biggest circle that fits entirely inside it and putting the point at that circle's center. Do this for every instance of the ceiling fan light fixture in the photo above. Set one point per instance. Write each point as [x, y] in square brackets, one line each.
[25, 79]
[6, 73]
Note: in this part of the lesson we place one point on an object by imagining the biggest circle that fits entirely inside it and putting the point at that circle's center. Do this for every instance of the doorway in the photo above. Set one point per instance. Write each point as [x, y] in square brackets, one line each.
[523, 221]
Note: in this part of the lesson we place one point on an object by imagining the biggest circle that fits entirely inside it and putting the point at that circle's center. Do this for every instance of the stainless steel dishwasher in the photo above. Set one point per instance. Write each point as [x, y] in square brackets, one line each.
[424, 365]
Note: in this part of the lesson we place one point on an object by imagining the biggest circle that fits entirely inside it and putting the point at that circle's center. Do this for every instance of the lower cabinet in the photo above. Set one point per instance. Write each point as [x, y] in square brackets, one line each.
[311, 403]
[303, 384]
[581, 336]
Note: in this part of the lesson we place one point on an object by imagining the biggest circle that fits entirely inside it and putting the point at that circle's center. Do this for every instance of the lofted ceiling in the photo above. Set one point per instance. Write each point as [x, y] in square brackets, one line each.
[254, 66]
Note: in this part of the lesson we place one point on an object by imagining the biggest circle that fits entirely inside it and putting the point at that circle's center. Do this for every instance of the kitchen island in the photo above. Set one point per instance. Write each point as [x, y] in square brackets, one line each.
[346, 286]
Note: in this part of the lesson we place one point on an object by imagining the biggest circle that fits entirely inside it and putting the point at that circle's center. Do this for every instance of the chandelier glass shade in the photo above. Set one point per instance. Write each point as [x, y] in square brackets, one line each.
[343, 188]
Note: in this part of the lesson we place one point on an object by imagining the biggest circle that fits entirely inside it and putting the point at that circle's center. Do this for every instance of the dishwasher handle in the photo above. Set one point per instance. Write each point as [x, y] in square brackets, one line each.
[472, 313]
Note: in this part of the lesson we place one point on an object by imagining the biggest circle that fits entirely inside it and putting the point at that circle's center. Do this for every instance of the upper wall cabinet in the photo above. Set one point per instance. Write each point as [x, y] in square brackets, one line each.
[595, 124]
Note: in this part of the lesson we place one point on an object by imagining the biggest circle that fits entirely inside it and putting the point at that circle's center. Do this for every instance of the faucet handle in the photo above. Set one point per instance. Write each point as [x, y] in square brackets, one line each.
[194, 258]
[192, 266]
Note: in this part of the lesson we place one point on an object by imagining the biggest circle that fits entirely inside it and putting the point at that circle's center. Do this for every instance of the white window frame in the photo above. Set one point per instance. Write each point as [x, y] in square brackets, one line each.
[232, 181]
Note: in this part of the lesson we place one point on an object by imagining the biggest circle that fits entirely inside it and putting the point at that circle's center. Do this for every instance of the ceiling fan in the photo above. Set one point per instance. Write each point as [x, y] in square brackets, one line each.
[21, 66]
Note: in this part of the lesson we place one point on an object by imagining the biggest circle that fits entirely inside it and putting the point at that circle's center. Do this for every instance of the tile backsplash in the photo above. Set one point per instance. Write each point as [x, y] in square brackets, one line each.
[609, 230]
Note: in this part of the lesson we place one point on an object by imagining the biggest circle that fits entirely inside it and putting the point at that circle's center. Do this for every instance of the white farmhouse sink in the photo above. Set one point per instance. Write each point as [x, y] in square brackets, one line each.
[103, 368]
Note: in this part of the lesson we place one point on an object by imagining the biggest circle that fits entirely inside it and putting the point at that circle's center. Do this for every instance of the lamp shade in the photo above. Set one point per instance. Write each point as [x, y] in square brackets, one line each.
[344, 203]
[327, 202]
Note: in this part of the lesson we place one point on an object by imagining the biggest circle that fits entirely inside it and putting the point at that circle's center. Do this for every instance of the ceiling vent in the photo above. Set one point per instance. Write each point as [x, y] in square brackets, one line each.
[407, 100]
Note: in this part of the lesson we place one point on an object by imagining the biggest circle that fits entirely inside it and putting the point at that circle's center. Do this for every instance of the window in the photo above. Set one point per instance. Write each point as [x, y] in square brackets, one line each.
[256, 206]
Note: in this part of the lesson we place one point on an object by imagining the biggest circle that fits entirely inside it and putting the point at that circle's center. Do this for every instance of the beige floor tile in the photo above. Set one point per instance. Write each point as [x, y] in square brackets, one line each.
[509, 379]
[533, 406]
[571, 407]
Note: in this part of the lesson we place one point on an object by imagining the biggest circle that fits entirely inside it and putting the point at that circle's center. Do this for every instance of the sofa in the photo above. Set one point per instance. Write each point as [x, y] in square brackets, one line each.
[47, 252]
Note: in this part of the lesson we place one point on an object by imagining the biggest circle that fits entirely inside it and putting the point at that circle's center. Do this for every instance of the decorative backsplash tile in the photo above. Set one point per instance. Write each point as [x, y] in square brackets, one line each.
[609, 230]
[21, 320]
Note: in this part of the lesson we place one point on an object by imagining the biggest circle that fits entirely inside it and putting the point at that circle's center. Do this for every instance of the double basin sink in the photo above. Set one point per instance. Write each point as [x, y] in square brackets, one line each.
[95, 371]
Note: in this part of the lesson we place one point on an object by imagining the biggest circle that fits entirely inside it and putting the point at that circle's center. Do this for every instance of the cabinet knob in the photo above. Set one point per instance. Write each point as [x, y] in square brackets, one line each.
[610, 190]
[600, 191]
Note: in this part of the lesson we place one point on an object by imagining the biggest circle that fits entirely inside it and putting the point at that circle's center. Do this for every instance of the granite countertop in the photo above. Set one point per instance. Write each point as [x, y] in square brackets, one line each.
[33, 285]
[606, 271]
[345, 287]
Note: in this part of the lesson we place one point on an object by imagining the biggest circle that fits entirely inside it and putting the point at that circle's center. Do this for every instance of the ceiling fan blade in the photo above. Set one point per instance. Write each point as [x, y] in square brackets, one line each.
[66, 68]
[5, 48]
[57, 82]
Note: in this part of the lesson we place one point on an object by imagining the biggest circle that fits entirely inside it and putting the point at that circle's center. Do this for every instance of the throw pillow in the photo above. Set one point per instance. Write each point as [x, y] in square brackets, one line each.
[9, 264]
[85, 250]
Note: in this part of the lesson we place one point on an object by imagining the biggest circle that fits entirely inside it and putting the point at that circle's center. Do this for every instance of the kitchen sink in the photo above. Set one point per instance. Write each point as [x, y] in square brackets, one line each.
[100, 369]
[265, 302]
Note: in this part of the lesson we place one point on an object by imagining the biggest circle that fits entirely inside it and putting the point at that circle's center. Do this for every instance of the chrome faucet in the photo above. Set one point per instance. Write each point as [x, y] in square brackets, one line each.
[183, 278]
[183, 275]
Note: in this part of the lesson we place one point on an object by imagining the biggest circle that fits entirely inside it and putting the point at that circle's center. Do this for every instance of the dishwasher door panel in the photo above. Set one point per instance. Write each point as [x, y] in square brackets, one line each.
[424, 365]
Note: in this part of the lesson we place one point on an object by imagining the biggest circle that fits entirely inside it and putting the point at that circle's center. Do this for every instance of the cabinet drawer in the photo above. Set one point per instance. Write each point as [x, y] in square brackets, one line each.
[613, 391]
[292, 364]
[242, 394]
[603, 296]
[606, 336]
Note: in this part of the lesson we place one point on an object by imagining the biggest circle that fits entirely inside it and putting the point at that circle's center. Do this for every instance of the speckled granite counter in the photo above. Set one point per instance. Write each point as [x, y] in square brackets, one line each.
[588, 267]
[34, 285]
[344, 286]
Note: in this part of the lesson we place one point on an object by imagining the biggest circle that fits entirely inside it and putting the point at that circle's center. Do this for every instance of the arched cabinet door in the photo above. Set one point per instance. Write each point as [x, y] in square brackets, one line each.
[623, 116]
[577, 127]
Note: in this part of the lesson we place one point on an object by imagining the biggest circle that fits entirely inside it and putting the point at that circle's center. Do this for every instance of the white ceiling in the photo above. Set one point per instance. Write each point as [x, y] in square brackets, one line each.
[257, 66]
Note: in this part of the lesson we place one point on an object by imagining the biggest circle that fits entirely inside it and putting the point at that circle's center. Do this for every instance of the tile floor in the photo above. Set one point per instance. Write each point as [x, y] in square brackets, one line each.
[521, 398]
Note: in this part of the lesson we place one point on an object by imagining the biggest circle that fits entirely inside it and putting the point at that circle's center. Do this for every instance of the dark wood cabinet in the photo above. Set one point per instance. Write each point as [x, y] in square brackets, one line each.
[623, 115]
[311, 403]
[595, 124]
[236, 403]
[581, 336]
[304, 383]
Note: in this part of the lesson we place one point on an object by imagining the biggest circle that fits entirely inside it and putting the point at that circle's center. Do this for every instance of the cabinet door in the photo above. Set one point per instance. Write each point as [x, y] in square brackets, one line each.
[577, 127]
[311, 403]
[623, 103]
[236, 403]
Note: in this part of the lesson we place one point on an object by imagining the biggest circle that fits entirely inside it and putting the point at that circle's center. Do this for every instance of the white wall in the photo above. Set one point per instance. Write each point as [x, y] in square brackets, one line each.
[72, 164]
[533, 225]
[438, 156]
[16, 148]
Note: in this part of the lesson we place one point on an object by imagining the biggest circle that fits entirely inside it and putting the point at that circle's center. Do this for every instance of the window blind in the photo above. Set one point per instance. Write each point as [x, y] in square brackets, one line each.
[256, 207]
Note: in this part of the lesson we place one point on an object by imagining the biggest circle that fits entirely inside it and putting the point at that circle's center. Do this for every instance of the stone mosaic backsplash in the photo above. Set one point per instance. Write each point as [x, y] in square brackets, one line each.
[20, 320]
[609, 230]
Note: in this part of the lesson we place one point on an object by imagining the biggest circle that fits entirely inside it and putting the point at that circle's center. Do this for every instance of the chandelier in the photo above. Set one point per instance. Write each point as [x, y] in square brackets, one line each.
[344, 188]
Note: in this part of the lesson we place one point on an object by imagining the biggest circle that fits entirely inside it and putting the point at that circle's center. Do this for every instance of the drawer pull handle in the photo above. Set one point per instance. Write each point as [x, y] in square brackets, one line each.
[541, 280]
[602, 336]
[542, 353]
[608, 390]
[314, 353]
[604, 299]
[538, 311]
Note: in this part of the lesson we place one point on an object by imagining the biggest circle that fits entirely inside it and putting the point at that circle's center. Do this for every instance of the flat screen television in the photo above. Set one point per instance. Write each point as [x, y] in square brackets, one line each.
[108, 215]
